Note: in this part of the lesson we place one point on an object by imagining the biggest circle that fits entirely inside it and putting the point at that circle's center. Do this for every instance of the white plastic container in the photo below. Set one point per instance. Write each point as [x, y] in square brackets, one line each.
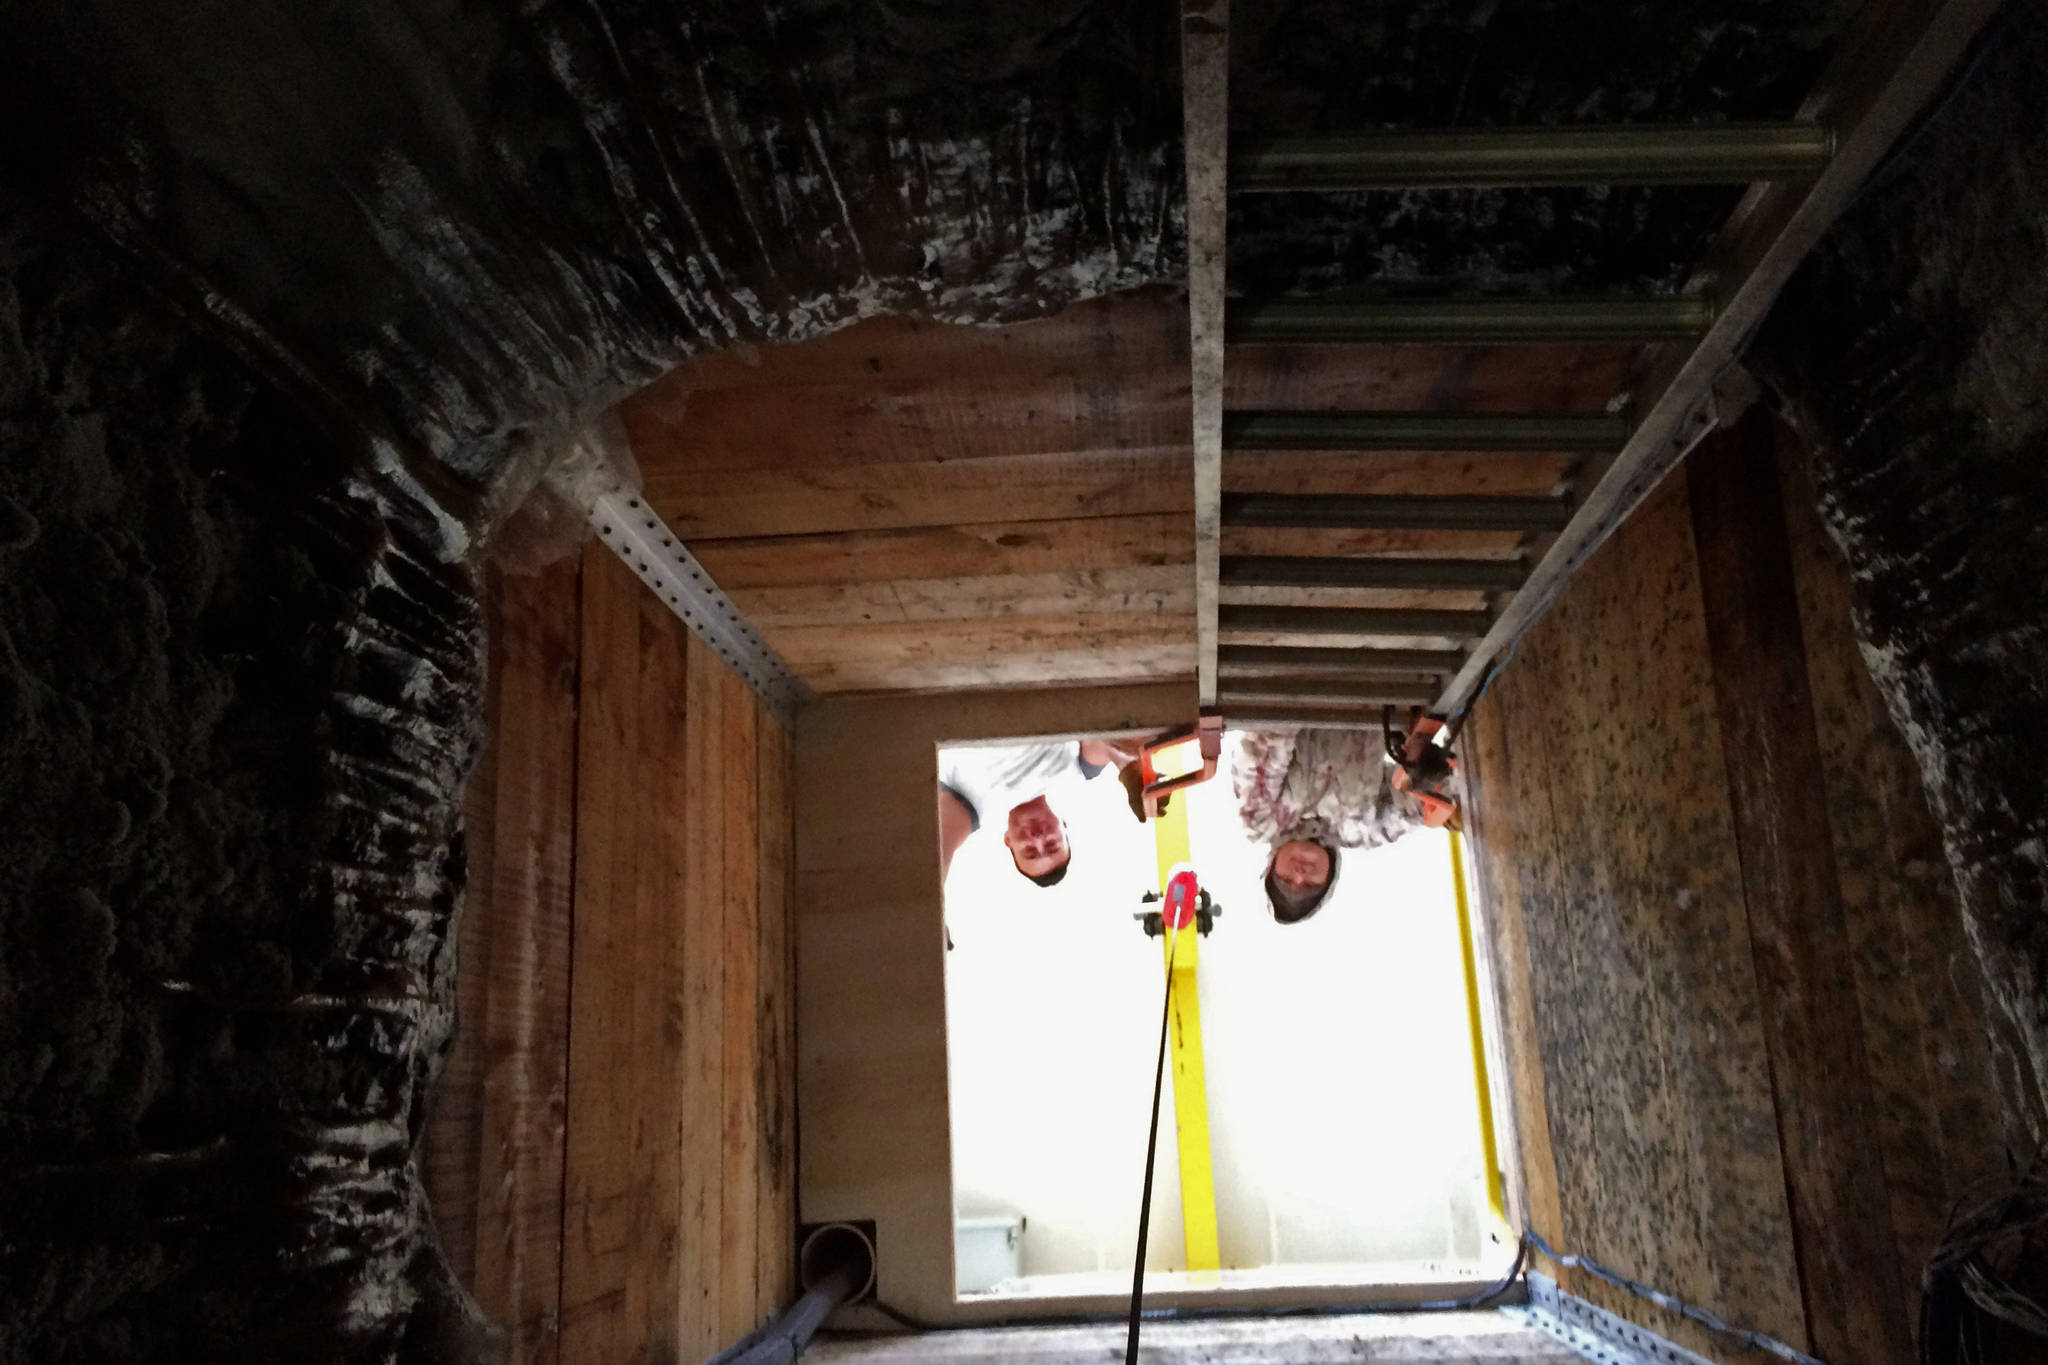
[986, 1252]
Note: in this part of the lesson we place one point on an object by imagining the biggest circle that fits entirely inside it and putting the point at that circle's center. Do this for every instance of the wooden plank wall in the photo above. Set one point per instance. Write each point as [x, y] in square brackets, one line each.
[1746, 1047]
[612, 1152]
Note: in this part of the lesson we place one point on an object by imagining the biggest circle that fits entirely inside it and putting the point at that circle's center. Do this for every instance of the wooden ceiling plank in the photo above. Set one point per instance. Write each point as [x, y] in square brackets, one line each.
[889, 496]
[981, 550]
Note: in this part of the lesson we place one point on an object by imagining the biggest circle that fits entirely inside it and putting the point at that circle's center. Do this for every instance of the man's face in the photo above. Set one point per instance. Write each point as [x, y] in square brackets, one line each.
[1036, 839]
[1302, 864]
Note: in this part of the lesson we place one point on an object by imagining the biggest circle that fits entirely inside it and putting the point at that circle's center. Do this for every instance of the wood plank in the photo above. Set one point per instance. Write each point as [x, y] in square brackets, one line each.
[879, 496]
[739, 1190]
[984, 550]
[977, 641]
[701, 925]
[1425, 378]
[524, 1027]
[605, 1293]
[1096, 665]
[1157, 589]
[774, 1068]
[980, 653]
[1397, 472]
[1655, 1078]
[1853, 1285]
[1384, 599]
[1924, 1022]
[660, 797]
[1294, 540]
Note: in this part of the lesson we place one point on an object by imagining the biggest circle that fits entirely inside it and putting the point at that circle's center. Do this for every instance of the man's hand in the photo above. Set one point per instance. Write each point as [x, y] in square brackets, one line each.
[1133, 781]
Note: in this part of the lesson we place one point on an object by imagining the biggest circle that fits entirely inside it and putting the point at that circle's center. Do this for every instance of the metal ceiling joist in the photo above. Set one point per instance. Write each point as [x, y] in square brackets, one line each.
[1251, 661]
[632, 531]
[1303, 571]
[1454, 158]
[1466, 321]
[1487, 432]
[1352, 621]
[1365, 512]
[1885, 71]
[1205, 106]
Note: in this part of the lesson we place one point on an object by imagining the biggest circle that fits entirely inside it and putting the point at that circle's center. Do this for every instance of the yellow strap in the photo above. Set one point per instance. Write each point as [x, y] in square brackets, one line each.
[1190, 1087]
[1482, 1087]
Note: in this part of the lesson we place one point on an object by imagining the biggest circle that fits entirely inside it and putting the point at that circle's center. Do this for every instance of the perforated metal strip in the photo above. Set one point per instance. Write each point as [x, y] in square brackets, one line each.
[653, 552]
[1595, 1333]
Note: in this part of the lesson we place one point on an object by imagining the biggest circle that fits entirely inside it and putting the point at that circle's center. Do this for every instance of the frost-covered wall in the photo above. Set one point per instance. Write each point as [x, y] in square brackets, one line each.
[1912, 353]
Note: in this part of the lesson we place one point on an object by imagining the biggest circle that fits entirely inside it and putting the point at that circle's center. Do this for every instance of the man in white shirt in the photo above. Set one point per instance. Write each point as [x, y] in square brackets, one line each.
[1008, 782]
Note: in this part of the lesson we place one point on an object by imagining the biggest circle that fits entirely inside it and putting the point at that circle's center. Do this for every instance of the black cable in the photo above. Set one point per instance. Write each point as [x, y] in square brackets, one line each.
[1151, 1158]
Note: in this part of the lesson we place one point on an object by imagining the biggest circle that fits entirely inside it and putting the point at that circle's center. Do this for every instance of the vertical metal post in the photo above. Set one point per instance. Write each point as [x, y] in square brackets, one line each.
[1205, 90]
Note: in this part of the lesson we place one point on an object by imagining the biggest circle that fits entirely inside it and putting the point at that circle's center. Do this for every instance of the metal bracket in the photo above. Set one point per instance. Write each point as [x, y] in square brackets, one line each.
[635, 534]
[1593, 1332]
[592, 475]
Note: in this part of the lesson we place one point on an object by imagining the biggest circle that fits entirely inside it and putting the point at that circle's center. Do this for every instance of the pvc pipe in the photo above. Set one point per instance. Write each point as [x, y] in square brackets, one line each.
[836, 1263]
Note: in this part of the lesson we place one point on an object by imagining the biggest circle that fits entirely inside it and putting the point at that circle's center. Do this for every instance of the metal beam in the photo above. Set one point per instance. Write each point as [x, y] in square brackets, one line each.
[1885, 71]
[1205, 110]
[1302, 571]
[632, 531]
[1484, 432]
[1467, 322]
[1593, 1332]
[1252, 661]
[1453, 158]
[1353, 621]
[1316, 511]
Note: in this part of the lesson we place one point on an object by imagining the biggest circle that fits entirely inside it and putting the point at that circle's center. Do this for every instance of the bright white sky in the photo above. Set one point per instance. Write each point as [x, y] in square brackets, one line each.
[1339, 1067]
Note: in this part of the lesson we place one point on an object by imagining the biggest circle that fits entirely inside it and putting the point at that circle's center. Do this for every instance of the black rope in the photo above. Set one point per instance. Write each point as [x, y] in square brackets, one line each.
[1151, 1157]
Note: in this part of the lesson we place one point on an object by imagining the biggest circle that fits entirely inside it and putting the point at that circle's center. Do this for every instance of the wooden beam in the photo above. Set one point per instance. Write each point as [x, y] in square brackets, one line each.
[740, 1026]
[1892, 62]
[1394, 472]
[774, 1067]
[874, 497]
[1205, 96]
[1853, 1285]
[972, 550]
[1251, 661]
[699, 1004]
[535, 646]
